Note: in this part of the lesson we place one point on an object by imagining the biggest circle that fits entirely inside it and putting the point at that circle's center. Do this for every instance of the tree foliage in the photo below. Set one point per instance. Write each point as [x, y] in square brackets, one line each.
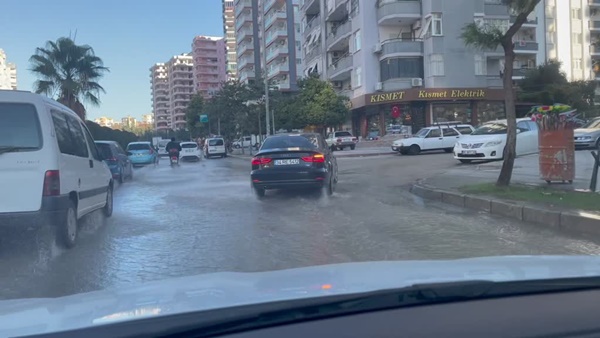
[107, 134]
[547, 85]
[485, 37]
[68, 73]
[193, 111]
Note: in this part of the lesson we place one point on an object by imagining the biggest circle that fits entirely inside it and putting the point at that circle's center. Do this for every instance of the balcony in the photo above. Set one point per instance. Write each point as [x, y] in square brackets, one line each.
[277, 15]
[594, 25]
[397, 84]
[243, 19]
[277, 68]
[495, 9]
[594, 3]
[275, 51]
[529, 22]
[268, 5]
[310, 7]
[398, 47]
[338, 11]
[275, 32]
[245, 61]
[340, 69]
[391, 12]
[312, 25]
[313, 53]
[595, 50]
[520, 73]
[241, 5]
[244, 34]
[244, 48]
[526, 47]
[338, 34]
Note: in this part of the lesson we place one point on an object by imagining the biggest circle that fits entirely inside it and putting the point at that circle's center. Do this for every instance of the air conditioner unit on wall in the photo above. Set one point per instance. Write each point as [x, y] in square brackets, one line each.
[377, 48]
[379, 86]
[416, 82]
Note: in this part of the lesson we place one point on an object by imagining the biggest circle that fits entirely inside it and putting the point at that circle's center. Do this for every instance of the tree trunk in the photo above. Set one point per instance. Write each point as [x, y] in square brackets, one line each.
[511, 116]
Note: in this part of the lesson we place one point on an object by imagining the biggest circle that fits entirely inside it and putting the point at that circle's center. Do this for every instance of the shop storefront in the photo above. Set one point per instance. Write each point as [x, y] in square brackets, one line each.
[418, 108]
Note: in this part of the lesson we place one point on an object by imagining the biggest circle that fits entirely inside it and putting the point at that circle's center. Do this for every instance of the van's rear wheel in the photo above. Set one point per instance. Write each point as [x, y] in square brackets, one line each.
[108, 207]
[66, 231]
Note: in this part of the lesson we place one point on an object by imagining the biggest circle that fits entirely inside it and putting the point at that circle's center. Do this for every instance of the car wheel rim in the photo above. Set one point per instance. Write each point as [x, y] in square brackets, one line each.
[71, 224]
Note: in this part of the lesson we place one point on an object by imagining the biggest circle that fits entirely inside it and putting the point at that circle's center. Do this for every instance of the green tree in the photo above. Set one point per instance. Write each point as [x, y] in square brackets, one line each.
[193, 111]
[319, 105]
[490, 37]
[69, 73]
[228, 112]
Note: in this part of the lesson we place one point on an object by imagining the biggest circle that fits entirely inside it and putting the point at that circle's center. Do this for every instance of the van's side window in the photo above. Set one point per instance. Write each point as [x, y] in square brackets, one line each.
[70, 138]
[92, 144]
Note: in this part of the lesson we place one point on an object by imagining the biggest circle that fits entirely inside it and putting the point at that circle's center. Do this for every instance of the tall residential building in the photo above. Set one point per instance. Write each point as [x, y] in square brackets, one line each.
[229, 31]
[8, 73]
[282, 42]
[172, 85]
[408, 56]
[210, 62]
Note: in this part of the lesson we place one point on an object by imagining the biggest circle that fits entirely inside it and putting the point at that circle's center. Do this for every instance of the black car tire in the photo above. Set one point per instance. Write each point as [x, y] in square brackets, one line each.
[67, 227]
[259, 192]
[352, 147]
[414, 150]
[130, 172]
[108, 207]
[121, 175]
[403, 152]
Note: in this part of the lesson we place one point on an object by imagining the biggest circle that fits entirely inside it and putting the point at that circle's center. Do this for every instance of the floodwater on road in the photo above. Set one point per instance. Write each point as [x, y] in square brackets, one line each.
[202, 217]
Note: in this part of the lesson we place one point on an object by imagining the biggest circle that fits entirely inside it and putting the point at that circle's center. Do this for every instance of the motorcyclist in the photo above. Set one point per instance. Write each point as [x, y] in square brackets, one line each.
[173, 148]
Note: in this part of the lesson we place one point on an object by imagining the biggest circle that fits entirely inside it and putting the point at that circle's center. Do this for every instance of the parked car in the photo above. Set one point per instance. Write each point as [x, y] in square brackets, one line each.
[436, 137]
[162, 150]
[489, 140]
[116, 158]
[215, 147]
[341, 140]
[588, 136]
[190, 151]
[52, 172]
[292, 161]
[142, 153]
[246, 141]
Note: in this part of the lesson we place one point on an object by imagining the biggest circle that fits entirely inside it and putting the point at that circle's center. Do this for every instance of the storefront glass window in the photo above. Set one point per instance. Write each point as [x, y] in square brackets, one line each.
[452, 112]
[489, 111]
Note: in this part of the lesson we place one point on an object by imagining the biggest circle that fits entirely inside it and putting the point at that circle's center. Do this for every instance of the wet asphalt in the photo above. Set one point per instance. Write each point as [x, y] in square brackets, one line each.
[202, 217]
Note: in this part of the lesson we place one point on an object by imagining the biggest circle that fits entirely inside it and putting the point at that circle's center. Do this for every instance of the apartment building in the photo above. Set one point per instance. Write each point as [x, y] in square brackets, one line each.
[229, 31]
[210, 64]
[407, 55]
[8, 73]
[172, 85]
[279, 53]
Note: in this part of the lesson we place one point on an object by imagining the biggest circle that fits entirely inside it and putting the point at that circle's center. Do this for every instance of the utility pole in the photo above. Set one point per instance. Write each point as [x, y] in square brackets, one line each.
[266, 71]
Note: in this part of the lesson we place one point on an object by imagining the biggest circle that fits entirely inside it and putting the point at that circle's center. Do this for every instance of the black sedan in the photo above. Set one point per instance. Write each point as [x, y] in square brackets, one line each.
[288, 161]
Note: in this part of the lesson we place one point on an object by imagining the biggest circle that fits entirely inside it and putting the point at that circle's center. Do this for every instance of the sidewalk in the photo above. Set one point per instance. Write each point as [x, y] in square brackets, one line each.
[358, 152]
[448, 187]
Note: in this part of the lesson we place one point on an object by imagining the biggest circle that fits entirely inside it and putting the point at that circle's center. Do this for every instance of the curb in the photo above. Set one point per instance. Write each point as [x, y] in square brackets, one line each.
[571, 221]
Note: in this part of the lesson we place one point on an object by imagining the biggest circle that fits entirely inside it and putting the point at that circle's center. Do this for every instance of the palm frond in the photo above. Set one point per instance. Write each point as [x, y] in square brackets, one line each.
[482, 37]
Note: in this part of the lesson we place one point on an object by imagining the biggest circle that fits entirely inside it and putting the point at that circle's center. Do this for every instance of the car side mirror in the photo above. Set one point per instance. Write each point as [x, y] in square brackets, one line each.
[519, 131]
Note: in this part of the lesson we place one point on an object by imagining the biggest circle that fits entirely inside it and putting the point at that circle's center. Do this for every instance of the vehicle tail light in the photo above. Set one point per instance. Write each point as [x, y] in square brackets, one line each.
[339, 140]
[261, 160]
[51, 183]
[316, 158]
[354, 139]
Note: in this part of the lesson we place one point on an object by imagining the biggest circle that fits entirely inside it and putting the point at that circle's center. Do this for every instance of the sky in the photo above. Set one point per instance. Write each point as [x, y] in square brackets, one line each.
[129, 35]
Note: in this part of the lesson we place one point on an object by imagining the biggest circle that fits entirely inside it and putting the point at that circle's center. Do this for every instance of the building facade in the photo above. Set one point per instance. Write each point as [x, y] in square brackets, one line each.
[210, 64]
[408, 56]
[8, 73]
[230, 38]
[172, 86]
[278, 55]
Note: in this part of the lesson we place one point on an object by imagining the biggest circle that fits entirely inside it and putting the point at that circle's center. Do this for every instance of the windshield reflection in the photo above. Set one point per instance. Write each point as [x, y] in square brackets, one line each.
[491, 129]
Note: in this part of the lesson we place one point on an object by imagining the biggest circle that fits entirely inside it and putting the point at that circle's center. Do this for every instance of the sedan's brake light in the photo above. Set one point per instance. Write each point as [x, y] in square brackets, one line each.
[51, 183]
[339, 140]
[354, 139]
[261, 160]
[316, 158]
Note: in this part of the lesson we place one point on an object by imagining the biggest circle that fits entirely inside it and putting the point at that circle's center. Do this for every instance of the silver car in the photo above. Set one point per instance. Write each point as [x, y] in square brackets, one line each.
[588, 136]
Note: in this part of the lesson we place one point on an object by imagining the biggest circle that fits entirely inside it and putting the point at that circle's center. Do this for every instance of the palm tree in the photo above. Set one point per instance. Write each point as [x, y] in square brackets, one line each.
[69, 73]
[487, 37]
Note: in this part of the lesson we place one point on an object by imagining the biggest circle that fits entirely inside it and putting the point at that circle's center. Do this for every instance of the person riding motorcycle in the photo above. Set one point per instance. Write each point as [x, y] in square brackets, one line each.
[173, 148]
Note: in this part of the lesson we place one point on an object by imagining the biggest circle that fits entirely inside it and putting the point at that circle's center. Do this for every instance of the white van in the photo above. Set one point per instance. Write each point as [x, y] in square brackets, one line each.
[51, 172]
[214, 147]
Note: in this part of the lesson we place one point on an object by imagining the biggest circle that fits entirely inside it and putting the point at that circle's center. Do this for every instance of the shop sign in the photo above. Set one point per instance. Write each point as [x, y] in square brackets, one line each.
[436, 94]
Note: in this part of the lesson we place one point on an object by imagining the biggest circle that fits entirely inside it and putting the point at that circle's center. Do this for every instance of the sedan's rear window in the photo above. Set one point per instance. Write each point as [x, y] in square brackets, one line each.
[342, 134]
[189, 145]
[138, 146]
[300, 141]
[215, 142]
[19, 126]
[105, 150]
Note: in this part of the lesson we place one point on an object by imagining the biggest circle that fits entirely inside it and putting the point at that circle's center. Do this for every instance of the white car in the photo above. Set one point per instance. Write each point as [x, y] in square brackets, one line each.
[162, 150]
[190, 151]
[51, 172]
[215, 147]
[340, 140]
[488, 141]
[438, 137]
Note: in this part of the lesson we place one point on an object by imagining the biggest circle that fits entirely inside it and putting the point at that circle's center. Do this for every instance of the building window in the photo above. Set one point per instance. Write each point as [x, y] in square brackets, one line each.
[577, 64]
[298, 61]
[297, 27]
[357, 42]
[576, 13]
[436, 24]
[398, 68]
[480, 65]
[437, 65]
[357, 77]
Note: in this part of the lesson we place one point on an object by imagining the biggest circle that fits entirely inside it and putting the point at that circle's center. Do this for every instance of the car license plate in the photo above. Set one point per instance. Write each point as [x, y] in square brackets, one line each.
[469, 152]
[213, 148]
[291, 161]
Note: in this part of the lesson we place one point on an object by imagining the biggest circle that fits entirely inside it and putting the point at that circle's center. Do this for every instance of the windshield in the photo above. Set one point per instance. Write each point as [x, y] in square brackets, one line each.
[319, 143]
[19, 126]
[490, 129]
[593, 124]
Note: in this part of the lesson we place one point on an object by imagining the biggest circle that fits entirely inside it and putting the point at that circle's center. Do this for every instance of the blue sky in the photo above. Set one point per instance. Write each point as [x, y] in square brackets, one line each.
[129, 35]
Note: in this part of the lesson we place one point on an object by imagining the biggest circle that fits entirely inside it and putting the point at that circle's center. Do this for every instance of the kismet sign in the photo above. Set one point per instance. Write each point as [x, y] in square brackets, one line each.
[437, 94]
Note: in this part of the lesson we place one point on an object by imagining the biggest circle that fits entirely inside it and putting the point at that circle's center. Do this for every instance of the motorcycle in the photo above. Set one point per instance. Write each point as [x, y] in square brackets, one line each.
[173, 156]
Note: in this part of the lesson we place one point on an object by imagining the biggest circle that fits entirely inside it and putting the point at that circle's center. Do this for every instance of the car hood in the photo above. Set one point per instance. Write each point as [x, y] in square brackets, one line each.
[586, 131]
[408, 140]
[221, 290]
[481, 138]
